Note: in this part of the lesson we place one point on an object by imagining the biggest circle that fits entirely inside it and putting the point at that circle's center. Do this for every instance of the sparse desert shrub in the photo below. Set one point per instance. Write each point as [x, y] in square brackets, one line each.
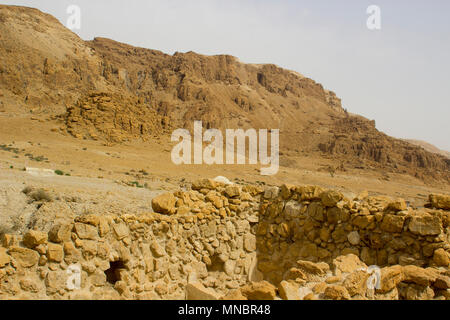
[136, 184]
[41, 195]
[27, 190]
[59, 172]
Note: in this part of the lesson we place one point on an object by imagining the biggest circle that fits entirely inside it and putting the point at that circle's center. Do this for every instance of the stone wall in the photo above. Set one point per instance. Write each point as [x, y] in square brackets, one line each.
[220, 240]
[313, 224]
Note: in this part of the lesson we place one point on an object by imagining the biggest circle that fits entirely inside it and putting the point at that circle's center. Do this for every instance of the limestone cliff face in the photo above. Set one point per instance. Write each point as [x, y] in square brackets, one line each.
[107, 90]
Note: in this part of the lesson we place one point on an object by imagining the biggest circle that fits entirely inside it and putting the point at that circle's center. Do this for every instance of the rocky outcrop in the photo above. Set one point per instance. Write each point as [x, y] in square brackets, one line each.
[357, 141]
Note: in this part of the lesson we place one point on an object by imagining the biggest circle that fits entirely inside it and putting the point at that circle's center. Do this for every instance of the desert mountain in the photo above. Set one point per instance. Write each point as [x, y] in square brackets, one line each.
[429, 147]
[106, 90]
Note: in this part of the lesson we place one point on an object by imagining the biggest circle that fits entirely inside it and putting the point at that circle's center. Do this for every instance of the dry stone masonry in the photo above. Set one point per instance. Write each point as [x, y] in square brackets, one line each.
[230, 241]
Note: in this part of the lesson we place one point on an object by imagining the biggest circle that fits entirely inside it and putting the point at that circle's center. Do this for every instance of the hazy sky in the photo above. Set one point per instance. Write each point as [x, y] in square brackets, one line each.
[399, 75]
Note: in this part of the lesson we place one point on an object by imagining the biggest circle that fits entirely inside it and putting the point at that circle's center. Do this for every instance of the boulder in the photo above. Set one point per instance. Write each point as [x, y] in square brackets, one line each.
[55, 252]
[425, 225]
[390, 278]
[34, 238]
[86, 231]
[336, 292]
[397, 205]
[441, 258]
[392, 223]
[293, 274]
[206, 184]
[24, 256]
[60, 233]
[442, 282]
[420, 276]
[313, 269]
[310, 192]
[164, 203]
[356, 283]
[288, 290]
[261, 290]
[233, 190]
[348, 264]
[271, 192]
[440, 201]
[330, 198]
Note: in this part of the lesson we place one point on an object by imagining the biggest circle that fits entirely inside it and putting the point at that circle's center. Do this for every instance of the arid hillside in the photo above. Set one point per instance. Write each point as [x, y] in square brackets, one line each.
[109, 91]
[429, 147]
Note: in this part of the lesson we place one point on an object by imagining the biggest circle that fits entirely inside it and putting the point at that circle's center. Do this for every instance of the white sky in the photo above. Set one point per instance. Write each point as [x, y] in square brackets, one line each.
[399, 75]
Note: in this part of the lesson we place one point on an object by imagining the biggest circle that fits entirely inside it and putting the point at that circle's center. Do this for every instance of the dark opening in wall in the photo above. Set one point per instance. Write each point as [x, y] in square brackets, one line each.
[113, 273]
[216, 264]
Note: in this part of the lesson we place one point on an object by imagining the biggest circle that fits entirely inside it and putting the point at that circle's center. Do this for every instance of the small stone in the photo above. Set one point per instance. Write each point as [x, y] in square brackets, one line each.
[271, 192]
[55, 252]
[440, 201]
[4, 258]
[86, 231]
[392, 223]
[157, 250]
[336, 292]
[60, 233]
[234, 295]
[164, 204]
[262, 290]
[229, 266]
[121, 231]
[249, 242]
[289, 290]
[390, 278]
[232, 190]
[441, 258]
[34, 238]
[28, 285]
[397, 205]
[56, 280]
[420, 276]
[348, 264]
[330, 198]
[206, 184]
[354, 238]
[26, 257]
[356, 283]
[310, 296]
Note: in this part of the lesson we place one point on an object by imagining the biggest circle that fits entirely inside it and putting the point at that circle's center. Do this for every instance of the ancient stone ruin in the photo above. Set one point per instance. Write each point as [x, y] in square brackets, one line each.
[230, 241]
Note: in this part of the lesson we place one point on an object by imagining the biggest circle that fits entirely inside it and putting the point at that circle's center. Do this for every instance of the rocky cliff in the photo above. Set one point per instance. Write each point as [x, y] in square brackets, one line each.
[239, 242]
[106, 90]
